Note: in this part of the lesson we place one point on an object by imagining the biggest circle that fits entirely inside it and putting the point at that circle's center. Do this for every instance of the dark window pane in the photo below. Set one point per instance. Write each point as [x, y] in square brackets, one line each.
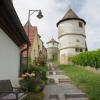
[80, 24]
[77, 49]
[81, 50]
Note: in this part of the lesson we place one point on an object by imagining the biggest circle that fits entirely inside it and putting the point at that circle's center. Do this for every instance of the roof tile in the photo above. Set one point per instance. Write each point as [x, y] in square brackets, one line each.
[70, 14]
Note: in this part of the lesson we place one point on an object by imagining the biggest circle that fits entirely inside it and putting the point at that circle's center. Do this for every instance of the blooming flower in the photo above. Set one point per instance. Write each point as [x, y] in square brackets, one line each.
[32, 74]
[27, 74]
[24, 75]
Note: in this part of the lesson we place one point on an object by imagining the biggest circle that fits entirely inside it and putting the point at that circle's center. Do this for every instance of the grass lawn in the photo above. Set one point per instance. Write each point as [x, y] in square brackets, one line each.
[35, 96]
[88, 81]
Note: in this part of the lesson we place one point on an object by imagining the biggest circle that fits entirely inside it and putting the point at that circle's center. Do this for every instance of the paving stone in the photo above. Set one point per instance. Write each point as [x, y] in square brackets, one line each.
[75, 95]
[61, 97]
[63, 80]
[76, 99]
[53, 97]
[63, 89]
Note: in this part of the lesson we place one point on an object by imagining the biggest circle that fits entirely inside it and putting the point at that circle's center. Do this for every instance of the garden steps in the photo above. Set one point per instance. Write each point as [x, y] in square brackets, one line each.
[58, 76]
[62, 87]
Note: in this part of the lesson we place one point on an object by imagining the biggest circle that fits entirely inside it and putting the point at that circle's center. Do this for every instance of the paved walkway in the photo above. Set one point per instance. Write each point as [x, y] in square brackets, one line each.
[60, 87]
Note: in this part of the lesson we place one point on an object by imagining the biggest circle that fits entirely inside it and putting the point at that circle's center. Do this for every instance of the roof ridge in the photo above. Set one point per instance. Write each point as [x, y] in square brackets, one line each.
[26, 24]
[52, 40]
[70, 14]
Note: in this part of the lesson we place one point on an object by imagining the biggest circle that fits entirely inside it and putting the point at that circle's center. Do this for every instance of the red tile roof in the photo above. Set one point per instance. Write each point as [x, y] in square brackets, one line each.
[32, 31]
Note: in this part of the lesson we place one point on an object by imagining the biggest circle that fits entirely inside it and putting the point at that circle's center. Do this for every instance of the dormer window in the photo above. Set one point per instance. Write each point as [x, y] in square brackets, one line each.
[80, 24]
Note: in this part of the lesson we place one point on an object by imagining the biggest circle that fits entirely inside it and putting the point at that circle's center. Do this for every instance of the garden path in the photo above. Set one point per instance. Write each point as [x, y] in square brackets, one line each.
[60, 86]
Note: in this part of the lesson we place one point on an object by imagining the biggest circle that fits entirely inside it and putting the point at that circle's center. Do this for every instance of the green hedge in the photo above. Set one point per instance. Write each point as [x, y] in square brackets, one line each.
[90, 58]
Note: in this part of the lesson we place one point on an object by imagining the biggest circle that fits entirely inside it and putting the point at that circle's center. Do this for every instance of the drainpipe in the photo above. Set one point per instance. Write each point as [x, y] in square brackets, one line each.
[21, 57]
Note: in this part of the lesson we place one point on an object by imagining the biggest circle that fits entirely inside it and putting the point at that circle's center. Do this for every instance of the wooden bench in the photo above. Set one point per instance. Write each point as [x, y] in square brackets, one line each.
[7, 92]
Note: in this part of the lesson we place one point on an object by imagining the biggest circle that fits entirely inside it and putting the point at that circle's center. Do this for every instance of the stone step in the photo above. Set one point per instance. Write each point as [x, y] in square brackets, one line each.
[64, 80]
[75, 95]
[81, 96]
[51, 80]
[53, 97]
[55, 73]
[59, 73]
[76, 99]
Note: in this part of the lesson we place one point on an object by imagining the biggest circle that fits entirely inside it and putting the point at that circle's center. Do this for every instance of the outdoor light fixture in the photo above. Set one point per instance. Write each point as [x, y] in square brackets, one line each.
[39, 16]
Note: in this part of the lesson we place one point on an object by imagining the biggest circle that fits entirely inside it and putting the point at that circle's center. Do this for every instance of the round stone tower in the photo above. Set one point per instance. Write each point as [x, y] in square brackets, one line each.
[71, 34]
[52, 50]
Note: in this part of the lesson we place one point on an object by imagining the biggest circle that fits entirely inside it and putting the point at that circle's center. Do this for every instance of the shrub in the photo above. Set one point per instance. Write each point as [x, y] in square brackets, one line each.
[34, 79]
[41, 72]
[91, 58]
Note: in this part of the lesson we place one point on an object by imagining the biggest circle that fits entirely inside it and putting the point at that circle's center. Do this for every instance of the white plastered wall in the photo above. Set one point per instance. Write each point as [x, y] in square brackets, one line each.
[51, 44]
[71, 26]
[9, 58]
[71, 36]
[72, 41]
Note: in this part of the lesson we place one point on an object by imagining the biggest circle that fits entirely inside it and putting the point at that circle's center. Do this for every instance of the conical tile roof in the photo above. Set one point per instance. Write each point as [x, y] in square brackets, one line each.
[70, 14]
[52, 41]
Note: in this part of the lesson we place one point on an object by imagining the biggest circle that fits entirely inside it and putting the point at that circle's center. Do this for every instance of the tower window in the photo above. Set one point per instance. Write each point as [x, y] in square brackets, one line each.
[77, 41]
[81, 50]
[39, 46]
[78, 49]
[80, 24]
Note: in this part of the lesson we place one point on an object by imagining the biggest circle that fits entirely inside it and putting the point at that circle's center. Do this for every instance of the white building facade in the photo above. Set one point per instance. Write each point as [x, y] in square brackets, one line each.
[71, 30]
[12, 37]
[9, 58]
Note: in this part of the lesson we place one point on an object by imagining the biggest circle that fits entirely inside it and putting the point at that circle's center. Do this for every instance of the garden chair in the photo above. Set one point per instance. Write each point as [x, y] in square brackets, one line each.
[7, 92]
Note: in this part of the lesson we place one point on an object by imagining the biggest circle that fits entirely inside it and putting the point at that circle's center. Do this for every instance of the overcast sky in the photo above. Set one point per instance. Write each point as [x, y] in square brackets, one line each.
[54, 10]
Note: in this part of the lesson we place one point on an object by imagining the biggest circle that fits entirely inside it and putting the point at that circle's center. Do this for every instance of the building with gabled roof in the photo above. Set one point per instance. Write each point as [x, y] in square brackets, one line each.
[71, 34]
[36, 43]
[32, 32]
[12, 37]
